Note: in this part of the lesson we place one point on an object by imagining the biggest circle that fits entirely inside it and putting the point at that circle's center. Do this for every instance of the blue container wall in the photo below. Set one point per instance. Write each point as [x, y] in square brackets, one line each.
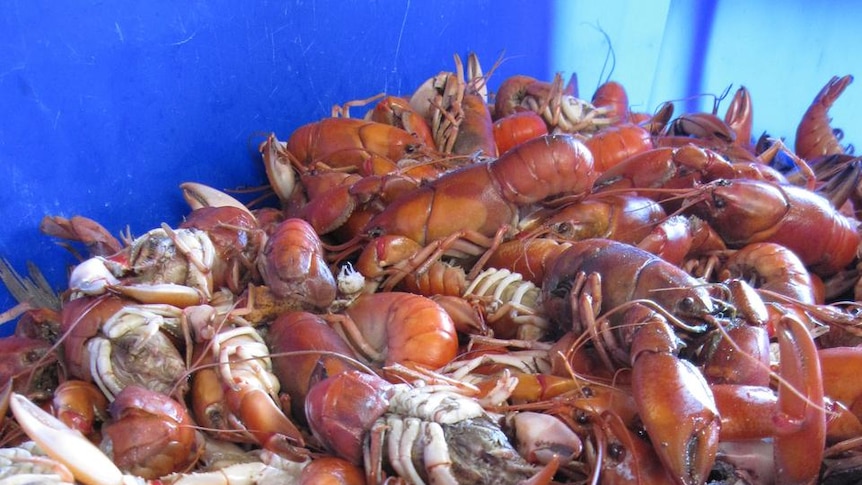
[109, 106]
[691, 51]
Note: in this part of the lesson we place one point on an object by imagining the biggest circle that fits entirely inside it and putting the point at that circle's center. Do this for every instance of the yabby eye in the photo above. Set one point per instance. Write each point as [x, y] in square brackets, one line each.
[686, 305]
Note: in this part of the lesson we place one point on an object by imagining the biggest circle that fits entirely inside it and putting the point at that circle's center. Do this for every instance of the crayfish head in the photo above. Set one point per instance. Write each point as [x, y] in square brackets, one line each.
[151, 434]
[481, 453]
[693, 307]
[18, 355]
[341, 409]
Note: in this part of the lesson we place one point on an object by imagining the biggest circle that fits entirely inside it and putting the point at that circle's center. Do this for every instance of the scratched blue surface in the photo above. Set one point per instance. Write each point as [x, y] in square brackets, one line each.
[109, 106]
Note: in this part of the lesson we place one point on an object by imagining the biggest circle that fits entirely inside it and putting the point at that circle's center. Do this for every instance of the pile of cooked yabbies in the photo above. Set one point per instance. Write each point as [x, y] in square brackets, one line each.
[460, 286]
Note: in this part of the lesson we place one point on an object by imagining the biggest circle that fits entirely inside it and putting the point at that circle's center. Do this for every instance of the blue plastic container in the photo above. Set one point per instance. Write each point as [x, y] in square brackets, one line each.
[109, 106]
